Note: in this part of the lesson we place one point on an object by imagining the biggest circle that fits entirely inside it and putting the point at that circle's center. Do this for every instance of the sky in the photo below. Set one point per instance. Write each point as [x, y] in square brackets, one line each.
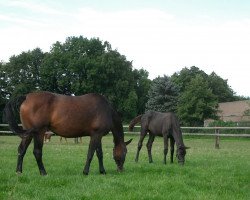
[160, 36]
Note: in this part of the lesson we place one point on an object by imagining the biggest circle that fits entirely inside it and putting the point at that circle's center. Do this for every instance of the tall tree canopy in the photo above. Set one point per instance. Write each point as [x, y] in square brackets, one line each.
[75, 67]
[219, 86]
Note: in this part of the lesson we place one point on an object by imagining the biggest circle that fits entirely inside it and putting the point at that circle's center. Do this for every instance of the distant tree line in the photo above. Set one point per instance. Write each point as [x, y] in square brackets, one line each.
[80, 65]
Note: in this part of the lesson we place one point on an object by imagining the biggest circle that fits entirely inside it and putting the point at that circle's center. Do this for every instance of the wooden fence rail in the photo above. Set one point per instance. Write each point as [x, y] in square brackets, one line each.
[216, 132]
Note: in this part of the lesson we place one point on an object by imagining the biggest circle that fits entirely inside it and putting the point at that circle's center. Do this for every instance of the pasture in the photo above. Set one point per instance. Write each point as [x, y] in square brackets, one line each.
[208, 173]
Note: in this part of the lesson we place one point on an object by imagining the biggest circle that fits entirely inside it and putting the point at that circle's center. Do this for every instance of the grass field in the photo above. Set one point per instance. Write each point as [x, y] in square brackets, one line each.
[209, 173]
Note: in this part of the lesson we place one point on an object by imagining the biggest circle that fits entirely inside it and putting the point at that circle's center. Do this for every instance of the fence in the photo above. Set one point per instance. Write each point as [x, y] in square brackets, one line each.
[216, 132]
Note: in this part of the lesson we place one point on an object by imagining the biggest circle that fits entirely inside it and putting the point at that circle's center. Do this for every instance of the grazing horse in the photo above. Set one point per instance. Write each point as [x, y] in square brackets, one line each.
[67, 116]
[165, 125]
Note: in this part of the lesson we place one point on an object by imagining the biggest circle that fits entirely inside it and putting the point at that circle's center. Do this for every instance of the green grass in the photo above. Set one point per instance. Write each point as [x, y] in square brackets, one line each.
[208, 173]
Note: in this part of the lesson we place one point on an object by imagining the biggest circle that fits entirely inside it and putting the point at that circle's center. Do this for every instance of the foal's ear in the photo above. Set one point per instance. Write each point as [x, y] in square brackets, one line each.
[128, 142]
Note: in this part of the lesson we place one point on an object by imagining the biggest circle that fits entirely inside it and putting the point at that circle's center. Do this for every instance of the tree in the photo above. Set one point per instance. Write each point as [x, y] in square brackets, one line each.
[221, 89]
[3, 93]
[23, 72]
[162, 95]
[65, 68]
[219, 86]
[142, 85]
[197, 103]
[183, 78]
[81, 66]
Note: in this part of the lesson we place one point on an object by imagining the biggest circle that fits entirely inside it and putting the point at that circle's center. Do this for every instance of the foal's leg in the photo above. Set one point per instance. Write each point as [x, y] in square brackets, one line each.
[142, 136]
[149, 146]
[165, 138]
[172, 148]
[38, 151]
[100, 157]
[21, 152]
[94, 141]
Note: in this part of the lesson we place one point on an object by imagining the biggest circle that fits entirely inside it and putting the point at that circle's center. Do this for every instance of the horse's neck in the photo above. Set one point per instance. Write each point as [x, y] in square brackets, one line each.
[178, 138]
[118, 135]
[117, 130]
[118, 138]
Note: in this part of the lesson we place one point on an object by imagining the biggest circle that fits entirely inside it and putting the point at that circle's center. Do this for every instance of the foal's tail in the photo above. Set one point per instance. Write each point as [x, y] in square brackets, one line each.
[9, 115]
[134, 122]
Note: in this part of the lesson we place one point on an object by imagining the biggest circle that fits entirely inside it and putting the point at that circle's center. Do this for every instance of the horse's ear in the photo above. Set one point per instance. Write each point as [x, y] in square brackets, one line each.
[187, 147]
[128, 142]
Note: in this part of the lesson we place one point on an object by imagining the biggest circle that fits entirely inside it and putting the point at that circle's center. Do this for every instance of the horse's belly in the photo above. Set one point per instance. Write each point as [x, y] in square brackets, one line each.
[69, 131]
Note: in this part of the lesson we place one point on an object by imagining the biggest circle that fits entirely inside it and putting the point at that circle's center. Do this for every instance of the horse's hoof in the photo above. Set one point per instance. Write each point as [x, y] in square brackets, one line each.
[18, 173]
[85, 173]
[103, 172]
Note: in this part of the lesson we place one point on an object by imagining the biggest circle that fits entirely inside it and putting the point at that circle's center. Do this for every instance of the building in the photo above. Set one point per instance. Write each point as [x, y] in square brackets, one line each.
[236, 111]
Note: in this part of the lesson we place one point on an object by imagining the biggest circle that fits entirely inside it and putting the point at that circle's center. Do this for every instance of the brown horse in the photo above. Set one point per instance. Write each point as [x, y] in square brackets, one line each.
[165, 125]
[67, 116]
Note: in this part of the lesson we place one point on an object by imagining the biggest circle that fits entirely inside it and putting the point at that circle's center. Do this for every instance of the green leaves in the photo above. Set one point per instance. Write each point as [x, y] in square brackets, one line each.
[162, 95]
[197, 102]
[75, 67]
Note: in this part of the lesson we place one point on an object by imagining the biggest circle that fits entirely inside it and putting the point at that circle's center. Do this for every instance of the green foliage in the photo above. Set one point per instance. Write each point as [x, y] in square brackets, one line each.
[221, 123]
[162, 95]
[219, 86]
[75, 67]
[221, 89]
[22, 73]
[3, 85]
[197, 103]
[142, 87]
[184, 77]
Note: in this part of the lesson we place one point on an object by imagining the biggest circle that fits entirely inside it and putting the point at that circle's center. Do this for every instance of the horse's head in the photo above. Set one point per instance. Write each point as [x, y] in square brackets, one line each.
[119, 154]
[181, 152]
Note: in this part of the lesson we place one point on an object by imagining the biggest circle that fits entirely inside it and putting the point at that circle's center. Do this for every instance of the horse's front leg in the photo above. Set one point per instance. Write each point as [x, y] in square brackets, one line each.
[172, 149]
[21, 152]
[92, 147]
[149, 147]
[38, 151]
[100, 157]
[165, 151]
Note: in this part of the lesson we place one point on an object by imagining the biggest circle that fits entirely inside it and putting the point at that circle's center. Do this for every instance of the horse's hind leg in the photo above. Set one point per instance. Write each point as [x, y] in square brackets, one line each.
[149, 147]
[38, 147]
[21, 152]
[142, 136]
[172, 148]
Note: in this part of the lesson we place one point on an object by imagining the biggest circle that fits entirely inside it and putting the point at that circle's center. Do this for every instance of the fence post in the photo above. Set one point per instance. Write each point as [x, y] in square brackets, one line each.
[217, 139]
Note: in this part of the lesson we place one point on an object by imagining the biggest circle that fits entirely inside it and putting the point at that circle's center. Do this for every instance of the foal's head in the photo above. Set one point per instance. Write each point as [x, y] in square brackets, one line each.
[119, 154]
[181, 152]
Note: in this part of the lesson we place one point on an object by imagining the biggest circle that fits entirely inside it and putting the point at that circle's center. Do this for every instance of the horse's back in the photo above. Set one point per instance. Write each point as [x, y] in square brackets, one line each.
[159, 122]
[68, 116]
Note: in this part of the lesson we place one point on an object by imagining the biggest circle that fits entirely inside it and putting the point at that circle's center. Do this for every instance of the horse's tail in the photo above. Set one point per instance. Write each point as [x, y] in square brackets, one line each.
[9, 115]
[134, 122]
